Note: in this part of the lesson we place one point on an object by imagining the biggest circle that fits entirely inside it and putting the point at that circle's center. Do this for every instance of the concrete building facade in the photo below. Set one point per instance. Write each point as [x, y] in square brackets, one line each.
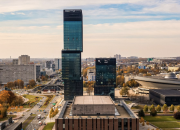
[23, 60]
[15, 62]
[10, 73]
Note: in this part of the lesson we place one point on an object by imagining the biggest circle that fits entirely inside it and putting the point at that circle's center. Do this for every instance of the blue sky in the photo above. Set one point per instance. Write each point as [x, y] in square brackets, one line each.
[116, 26]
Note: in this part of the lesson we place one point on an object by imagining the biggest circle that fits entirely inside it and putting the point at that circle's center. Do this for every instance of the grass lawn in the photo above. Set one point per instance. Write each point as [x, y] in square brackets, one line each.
[8, 116]
[49, 126]
[32, 99]
[28, 121]
[166, 124]
[160, 118]
[48, 100]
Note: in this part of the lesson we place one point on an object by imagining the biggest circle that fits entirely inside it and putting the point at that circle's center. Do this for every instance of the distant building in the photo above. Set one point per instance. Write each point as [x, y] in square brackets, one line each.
[117, 56]
[132, 57]
[38, 71]
[141, 67]
[96, 113]
[105, 76]
[48, 64]
[10, 73]
[53, 67]
[15, 61]
[90, 59]
[173, 69]
[23, 60]
[91, 76]
[58, 64]
[43, 73]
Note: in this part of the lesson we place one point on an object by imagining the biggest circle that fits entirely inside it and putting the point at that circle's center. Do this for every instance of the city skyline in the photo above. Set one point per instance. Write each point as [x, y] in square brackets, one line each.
[130, 28]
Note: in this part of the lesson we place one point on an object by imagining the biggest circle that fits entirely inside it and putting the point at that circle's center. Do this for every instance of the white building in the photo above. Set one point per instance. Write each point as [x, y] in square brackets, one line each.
[58, 64]
[10, 73]
[23, 60]
[91, 76]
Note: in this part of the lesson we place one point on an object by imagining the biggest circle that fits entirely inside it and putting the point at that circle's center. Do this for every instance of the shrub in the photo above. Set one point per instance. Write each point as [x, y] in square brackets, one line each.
[143, 124]
[172, 107]
[145, 108]
[147, 123]
[141, 113]
[153, 112]
[158, 108]
[165, 108]
[177, 115]
[152, 107]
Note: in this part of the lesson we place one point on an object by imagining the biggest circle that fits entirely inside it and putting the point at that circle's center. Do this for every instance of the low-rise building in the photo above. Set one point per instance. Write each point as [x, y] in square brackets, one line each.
[173, 69]
[96, 113]
[165, 96]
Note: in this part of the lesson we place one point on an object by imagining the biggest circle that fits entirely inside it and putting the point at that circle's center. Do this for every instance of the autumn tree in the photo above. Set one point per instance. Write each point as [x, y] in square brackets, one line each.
[119, 80]
[178, 108]
[32, 83]
[152, 107]
[124, 90]
[89, 89]
[10, 85]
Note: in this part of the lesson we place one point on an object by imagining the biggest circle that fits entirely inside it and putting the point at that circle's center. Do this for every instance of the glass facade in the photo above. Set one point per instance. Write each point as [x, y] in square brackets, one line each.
[73, 35]
[105, 76]
[71, 55]
[71, 74]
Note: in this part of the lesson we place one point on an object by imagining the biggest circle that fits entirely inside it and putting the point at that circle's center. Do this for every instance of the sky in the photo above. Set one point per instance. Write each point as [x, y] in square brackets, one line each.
[143, 28]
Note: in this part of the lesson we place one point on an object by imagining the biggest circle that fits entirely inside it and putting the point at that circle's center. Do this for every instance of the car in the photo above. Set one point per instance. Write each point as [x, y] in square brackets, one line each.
[10, 113]
[30, 113]
[119, 104]
[15, 112]
[45, 112]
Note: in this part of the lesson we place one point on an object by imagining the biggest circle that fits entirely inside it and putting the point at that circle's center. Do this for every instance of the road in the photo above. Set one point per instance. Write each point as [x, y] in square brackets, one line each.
[26, 115]
[34, 124]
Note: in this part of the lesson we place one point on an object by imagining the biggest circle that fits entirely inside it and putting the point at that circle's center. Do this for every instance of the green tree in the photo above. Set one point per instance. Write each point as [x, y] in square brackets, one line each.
[178, 108]
[172, 107]
[145, 108]
[141, 113]
[152, 107]
[153, 112]
[165, 108]
[158, 108]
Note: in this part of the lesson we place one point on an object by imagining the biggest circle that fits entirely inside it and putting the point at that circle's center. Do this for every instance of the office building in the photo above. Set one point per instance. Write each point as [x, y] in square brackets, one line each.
[71, 55]
[38, 71]
[10, 73]
[165, 96]
[48, 64]
[58, 64]
[23, 60]
[96, 113]
[105, 76]
[91, 76]
[15, 62]
[53, 67]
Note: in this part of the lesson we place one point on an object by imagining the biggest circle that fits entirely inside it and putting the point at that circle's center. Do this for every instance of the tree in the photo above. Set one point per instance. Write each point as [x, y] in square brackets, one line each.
[152, 107]
[178, 108]
[89, 89]
[141, 113]
[32, 83]
[158, 108]
[124, 90]
[153, 112]
[145, 108]
[172, 107]
[165, 108]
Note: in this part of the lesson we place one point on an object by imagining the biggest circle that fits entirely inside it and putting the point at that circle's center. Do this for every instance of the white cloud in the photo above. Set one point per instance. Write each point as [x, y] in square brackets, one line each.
[21, 13]
[12, 13]
[104, 40]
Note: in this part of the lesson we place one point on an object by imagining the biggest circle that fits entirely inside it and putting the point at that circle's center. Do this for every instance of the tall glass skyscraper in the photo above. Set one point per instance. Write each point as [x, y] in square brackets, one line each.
[71, 55]
[105, 76]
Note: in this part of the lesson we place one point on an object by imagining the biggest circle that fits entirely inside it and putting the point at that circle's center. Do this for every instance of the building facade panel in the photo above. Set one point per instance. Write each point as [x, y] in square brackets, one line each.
[89, 124]
[115, 124]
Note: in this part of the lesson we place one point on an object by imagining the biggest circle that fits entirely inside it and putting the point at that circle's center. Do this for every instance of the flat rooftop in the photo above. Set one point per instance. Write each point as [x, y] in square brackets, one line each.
[95, 100]
[123, 114]
[167, 92]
